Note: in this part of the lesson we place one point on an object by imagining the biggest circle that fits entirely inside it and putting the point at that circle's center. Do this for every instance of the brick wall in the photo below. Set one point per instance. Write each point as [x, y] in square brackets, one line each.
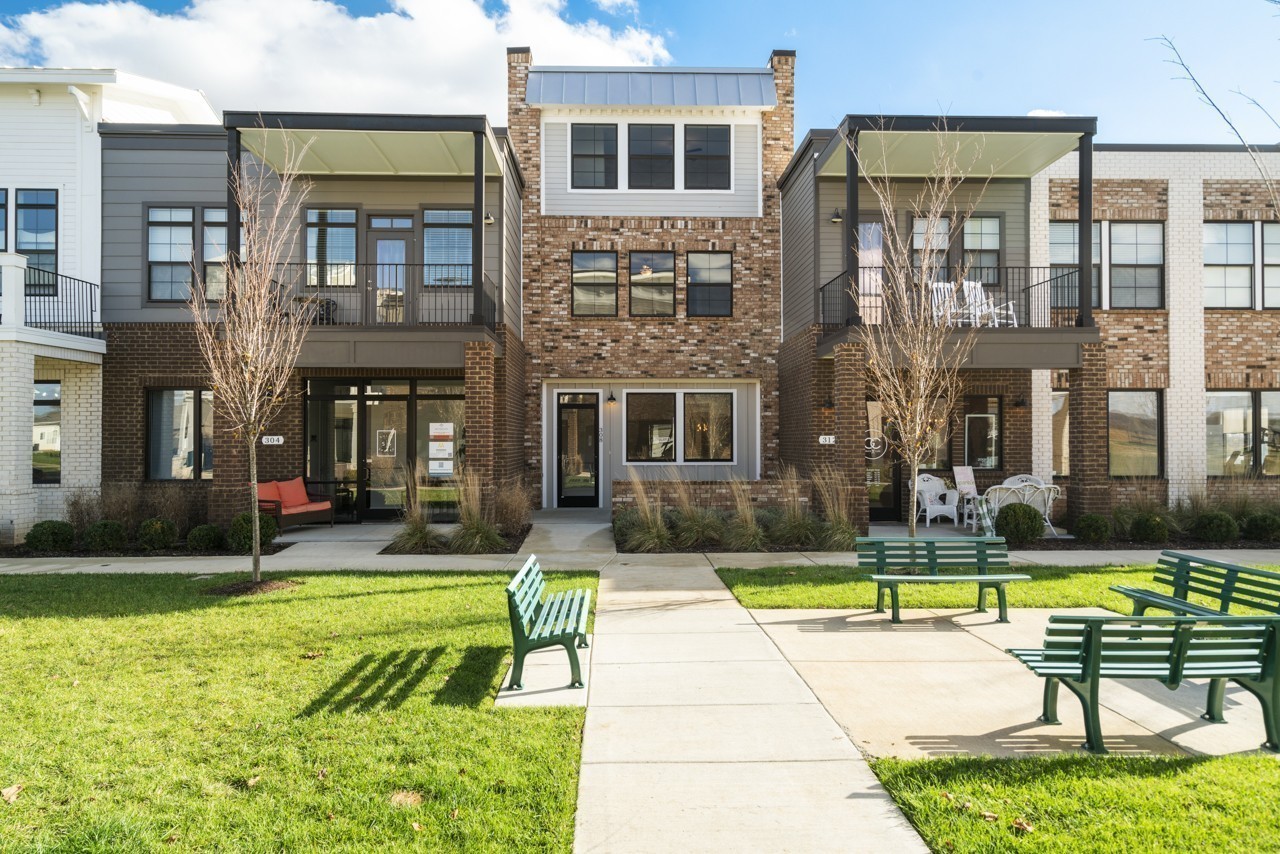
[714, 494]
[1242, 349]
[512, 379]
[1089, 489]
[1137, 345]
[80, 429]
[1131, 199]
[1242, 200]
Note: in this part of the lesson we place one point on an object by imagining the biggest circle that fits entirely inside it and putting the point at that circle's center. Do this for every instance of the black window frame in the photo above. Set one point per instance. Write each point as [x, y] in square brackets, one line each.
[607, 156]
[691, 286]
[198, 462]
[1060, 297]
[649, 162]
[707, 165]
[429, 267]
[1205, 266]
[1269, 227]
[683, 417]
[40, 280]
[1159, 268]
[675, 426]
[573, 285]
[632, 258]
[1257, 431]
[4, 219]
[37, 404]
[207, 265]
[189, 264]
[999, 413]
[988, 274]
[1160, 437]
[320, 273]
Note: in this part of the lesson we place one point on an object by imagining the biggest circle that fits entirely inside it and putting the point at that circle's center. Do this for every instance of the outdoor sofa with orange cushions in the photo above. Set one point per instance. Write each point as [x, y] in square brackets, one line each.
[289, 503]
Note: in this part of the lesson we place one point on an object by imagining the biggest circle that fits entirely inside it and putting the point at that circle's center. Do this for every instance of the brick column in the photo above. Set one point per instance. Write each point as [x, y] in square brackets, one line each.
[18, 504]
[480, 381]
[850, 397]
[1090, 487]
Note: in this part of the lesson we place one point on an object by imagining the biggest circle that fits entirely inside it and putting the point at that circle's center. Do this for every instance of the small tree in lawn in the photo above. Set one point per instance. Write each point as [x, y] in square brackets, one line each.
[915, 338]
[250, 340]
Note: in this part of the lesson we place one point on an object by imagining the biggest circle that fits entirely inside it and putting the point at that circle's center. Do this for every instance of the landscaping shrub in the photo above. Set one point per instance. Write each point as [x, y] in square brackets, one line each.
[1263, 527]
[1092, 528]
[206, 538]
[835, 496]
[796, 527]
[1216, 526]
[693, 527]
[106, 535]
[744, 533]
[240, 534]
[476, 535]
[650, 533]
[171, 500]
[156, 534]
[123, 502]
[625, 523]
[51, 536]
[1019, 524]
[84, 507]
[1149, 528]
[512, 508]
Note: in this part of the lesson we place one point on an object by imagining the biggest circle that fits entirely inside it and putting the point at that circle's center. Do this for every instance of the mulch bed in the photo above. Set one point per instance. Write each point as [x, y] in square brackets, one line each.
[250, 588]
[1173, 544]
[23, 551]
[512, 547]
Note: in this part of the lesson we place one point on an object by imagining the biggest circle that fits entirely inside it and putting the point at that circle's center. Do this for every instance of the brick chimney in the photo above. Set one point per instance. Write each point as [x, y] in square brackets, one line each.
[779, 123]
[522, 120]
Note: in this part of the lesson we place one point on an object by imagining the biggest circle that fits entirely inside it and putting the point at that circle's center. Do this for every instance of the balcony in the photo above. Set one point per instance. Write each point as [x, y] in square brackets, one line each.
[990, 297]
[391, 295]
[49, 301]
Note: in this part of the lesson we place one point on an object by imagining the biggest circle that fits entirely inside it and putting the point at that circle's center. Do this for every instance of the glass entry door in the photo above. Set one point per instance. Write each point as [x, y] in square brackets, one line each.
[884, 492]
[389, 254]
[578, 450]
[386, 454]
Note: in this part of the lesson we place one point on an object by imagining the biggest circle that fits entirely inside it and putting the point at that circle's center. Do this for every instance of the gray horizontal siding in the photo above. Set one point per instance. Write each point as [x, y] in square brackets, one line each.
[512, 274]
[798, 274]
[559, 200]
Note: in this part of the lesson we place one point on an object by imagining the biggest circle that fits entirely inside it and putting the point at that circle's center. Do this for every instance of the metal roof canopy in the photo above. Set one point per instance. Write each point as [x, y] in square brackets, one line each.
[651, 87]
[370, 145]
[988, 146]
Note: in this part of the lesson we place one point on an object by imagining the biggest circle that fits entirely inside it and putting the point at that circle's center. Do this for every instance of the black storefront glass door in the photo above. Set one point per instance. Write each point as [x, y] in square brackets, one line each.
[578, 450]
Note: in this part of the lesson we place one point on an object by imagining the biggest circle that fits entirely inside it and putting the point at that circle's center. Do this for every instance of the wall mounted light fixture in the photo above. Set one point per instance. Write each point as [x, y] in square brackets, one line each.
[836, 217]
[488, 218]
[611, 400]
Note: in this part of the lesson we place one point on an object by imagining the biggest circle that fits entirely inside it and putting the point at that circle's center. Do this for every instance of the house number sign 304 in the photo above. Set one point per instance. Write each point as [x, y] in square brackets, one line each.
[273, 440]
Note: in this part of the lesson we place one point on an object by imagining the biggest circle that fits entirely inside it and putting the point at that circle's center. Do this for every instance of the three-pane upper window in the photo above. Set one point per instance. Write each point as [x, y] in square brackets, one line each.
[650, 155]
[172, 258]
[1137, 265]
[594, 156]
[706, 157]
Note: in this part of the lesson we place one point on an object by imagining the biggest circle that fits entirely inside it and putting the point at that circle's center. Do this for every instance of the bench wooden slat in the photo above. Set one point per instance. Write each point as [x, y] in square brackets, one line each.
[933, 555]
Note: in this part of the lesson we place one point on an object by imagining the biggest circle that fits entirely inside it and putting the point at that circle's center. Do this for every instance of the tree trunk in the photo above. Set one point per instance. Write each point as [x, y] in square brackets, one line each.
[257, 523]
[913, 514]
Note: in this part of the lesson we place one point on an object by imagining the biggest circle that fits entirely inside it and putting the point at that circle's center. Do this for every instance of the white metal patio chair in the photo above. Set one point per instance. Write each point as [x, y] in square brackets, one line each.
[934, 499]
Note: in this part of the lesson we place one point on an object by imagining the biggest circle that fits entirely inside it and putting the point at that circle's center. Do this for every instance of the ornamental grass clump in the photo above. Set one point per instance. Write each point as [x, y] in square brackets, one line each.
[694, 527]
[744, 533]
[796, 527]
[476, 533]
[835, 496]
[650, 532]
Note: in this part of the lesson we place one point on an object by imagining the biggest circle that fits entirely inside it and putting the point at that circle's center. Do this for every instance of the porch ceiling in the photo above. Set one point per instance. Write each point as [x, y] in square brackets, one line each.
[435, 154]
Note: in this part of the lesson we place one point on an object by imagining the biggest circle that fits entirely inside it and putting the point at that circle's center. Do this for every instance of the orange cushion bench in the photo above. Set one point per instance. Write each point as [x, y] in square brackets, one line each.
[289, 503]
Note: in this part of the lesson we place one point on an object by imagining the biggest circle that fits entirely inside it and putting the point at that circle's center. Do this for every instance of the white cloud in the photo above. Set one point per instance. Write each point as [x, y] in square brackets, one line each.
[420, 56]
[618, 7]
[1042, 114]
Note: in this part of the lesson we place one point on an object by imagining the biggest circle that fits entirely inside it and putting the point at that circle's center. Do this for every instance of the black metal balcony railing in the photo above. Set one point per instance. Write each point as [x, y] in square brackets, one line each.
[58, 303]
[391, 294]
[1036, 297]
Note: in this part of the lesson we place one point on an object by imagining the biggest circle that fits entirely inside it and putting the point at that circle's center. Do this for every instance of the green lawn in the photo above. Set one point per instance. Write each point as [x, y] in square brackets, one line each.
[142, 714]
[841, 587]
[1089, 803]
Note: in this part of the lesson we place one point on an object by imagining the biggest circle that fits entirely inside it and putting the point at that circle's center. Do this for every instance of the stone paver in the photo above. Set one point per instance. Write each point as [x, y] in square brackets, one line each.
[700, 736]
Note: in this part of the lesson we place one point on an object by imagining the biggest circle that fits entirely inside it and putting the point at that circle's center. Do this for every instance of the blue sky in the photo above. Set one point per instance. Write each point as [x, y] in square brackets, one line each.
[1000, 57]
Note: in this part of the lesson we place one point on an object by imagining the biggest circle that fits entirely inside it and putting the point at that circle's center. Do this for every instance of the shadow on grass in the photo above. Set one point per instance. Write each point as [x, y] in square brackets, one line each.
[472, 680]
[376, 683]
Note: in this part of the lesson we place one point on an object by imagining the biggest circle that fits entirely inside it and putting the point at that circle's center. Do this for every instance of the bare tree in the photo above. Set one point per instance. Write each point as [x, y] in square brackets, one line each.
[250, 340]
[919, 316]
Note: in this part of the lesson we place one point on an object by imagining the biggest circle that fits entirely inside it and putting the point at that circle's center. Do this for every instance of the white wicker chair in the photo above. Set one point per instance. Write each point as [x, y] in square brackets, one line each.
[934, 499]
[1040, 497]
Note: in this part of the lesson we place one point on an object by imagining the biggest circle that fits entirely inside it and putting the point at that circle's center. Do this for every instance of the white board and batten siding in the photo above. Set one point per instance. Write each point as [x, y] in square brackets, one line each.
[742, 199]
[52, 146]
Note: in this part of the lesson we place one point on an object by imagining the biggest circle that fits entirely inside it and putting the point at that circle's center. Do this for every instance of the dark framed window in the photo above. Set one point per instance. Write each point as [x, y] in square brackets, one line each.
[983, 436]
[331, 247]
[1064, 260]
[651, 427]
[1137, 265]
[939, 453]
[1228, 265]
[651, 157]
[179, 434]
[710, 288]
[1271, 265]
[594, 157]
[1060, 425]
[706, 157]
[1135, 432]
[653, 284]
[213, 252]
[595, 284]
[708, 427]
[980, 243]
[170, 253]
[929, 252]
[4, 220]
[1242, 433]
[446, 247]
[46, 434]
[36, 237]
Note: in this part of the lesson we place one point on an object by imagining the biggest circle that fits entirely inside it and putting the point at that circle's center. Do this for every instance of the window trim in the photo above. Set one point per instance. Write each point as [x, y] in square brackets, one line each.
[4, 219]
[1255, 431]
[619, 155]
[58, 383]
[631, 312]
[420, 228]
[1254, 266]
[56, 253]
[360, 234]
[197, 245]
[964, 436]
[689, 285]
[1110, 265]
[197, 413]
[679, 432]
[684, 151]
[1102, 300]
[651, 157]
[617, 285]
[624, 136]
[1160, 434]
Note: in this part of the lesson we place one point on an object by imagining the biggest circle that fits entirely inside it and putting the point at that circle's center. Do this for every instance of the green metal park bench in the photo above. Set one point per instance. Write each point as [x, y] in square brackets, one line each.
[560, 620]
[1079, 651]
[905, 553]
[1222, 585]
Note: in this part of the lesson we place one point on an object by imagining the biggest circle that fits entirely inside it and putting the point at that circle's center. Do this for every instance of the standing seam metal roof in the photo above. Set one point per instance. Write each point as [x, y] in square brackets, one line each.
[652, 87]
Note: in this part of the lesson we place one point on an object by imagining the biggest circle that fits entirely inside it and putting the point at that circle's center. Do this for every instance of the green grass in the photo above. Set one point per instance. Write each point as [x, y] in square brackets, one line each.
[841, 587]
[141, 714]
[1088, 803]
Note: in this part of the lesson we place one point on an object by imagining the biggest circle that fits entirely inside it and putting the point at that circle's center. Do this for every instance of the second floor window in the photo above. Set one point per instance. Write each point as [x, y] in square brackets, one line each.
[1064, 258]
[446, 247]
[651, 157]
[982, 248]
[1271, 265]
[1228, 265]
[4, 220]
[653, 284]
[1137, 265]
[213, 252]
[595, 284]
[36, 218]
[331, 247]
[710, 290]
[594, 157]
[706, 157]
[930, 250]
[170, 253]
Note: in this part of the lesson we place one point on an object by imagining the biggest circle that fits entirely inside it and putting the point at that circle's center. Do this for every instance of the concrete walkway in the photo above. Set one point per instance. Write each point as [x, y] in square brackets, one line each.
[700, 735]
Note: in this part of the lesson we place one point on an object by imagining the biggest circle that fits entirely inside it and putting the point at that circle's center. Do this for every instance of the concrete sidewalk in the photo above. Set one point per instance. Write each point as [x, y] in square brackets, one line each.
[700, 736]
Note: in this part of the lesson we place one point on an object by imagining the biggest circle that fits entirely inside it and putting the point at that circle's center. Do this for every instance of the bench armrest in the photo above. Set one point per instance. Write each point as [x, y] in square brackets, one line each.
[270, 505]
